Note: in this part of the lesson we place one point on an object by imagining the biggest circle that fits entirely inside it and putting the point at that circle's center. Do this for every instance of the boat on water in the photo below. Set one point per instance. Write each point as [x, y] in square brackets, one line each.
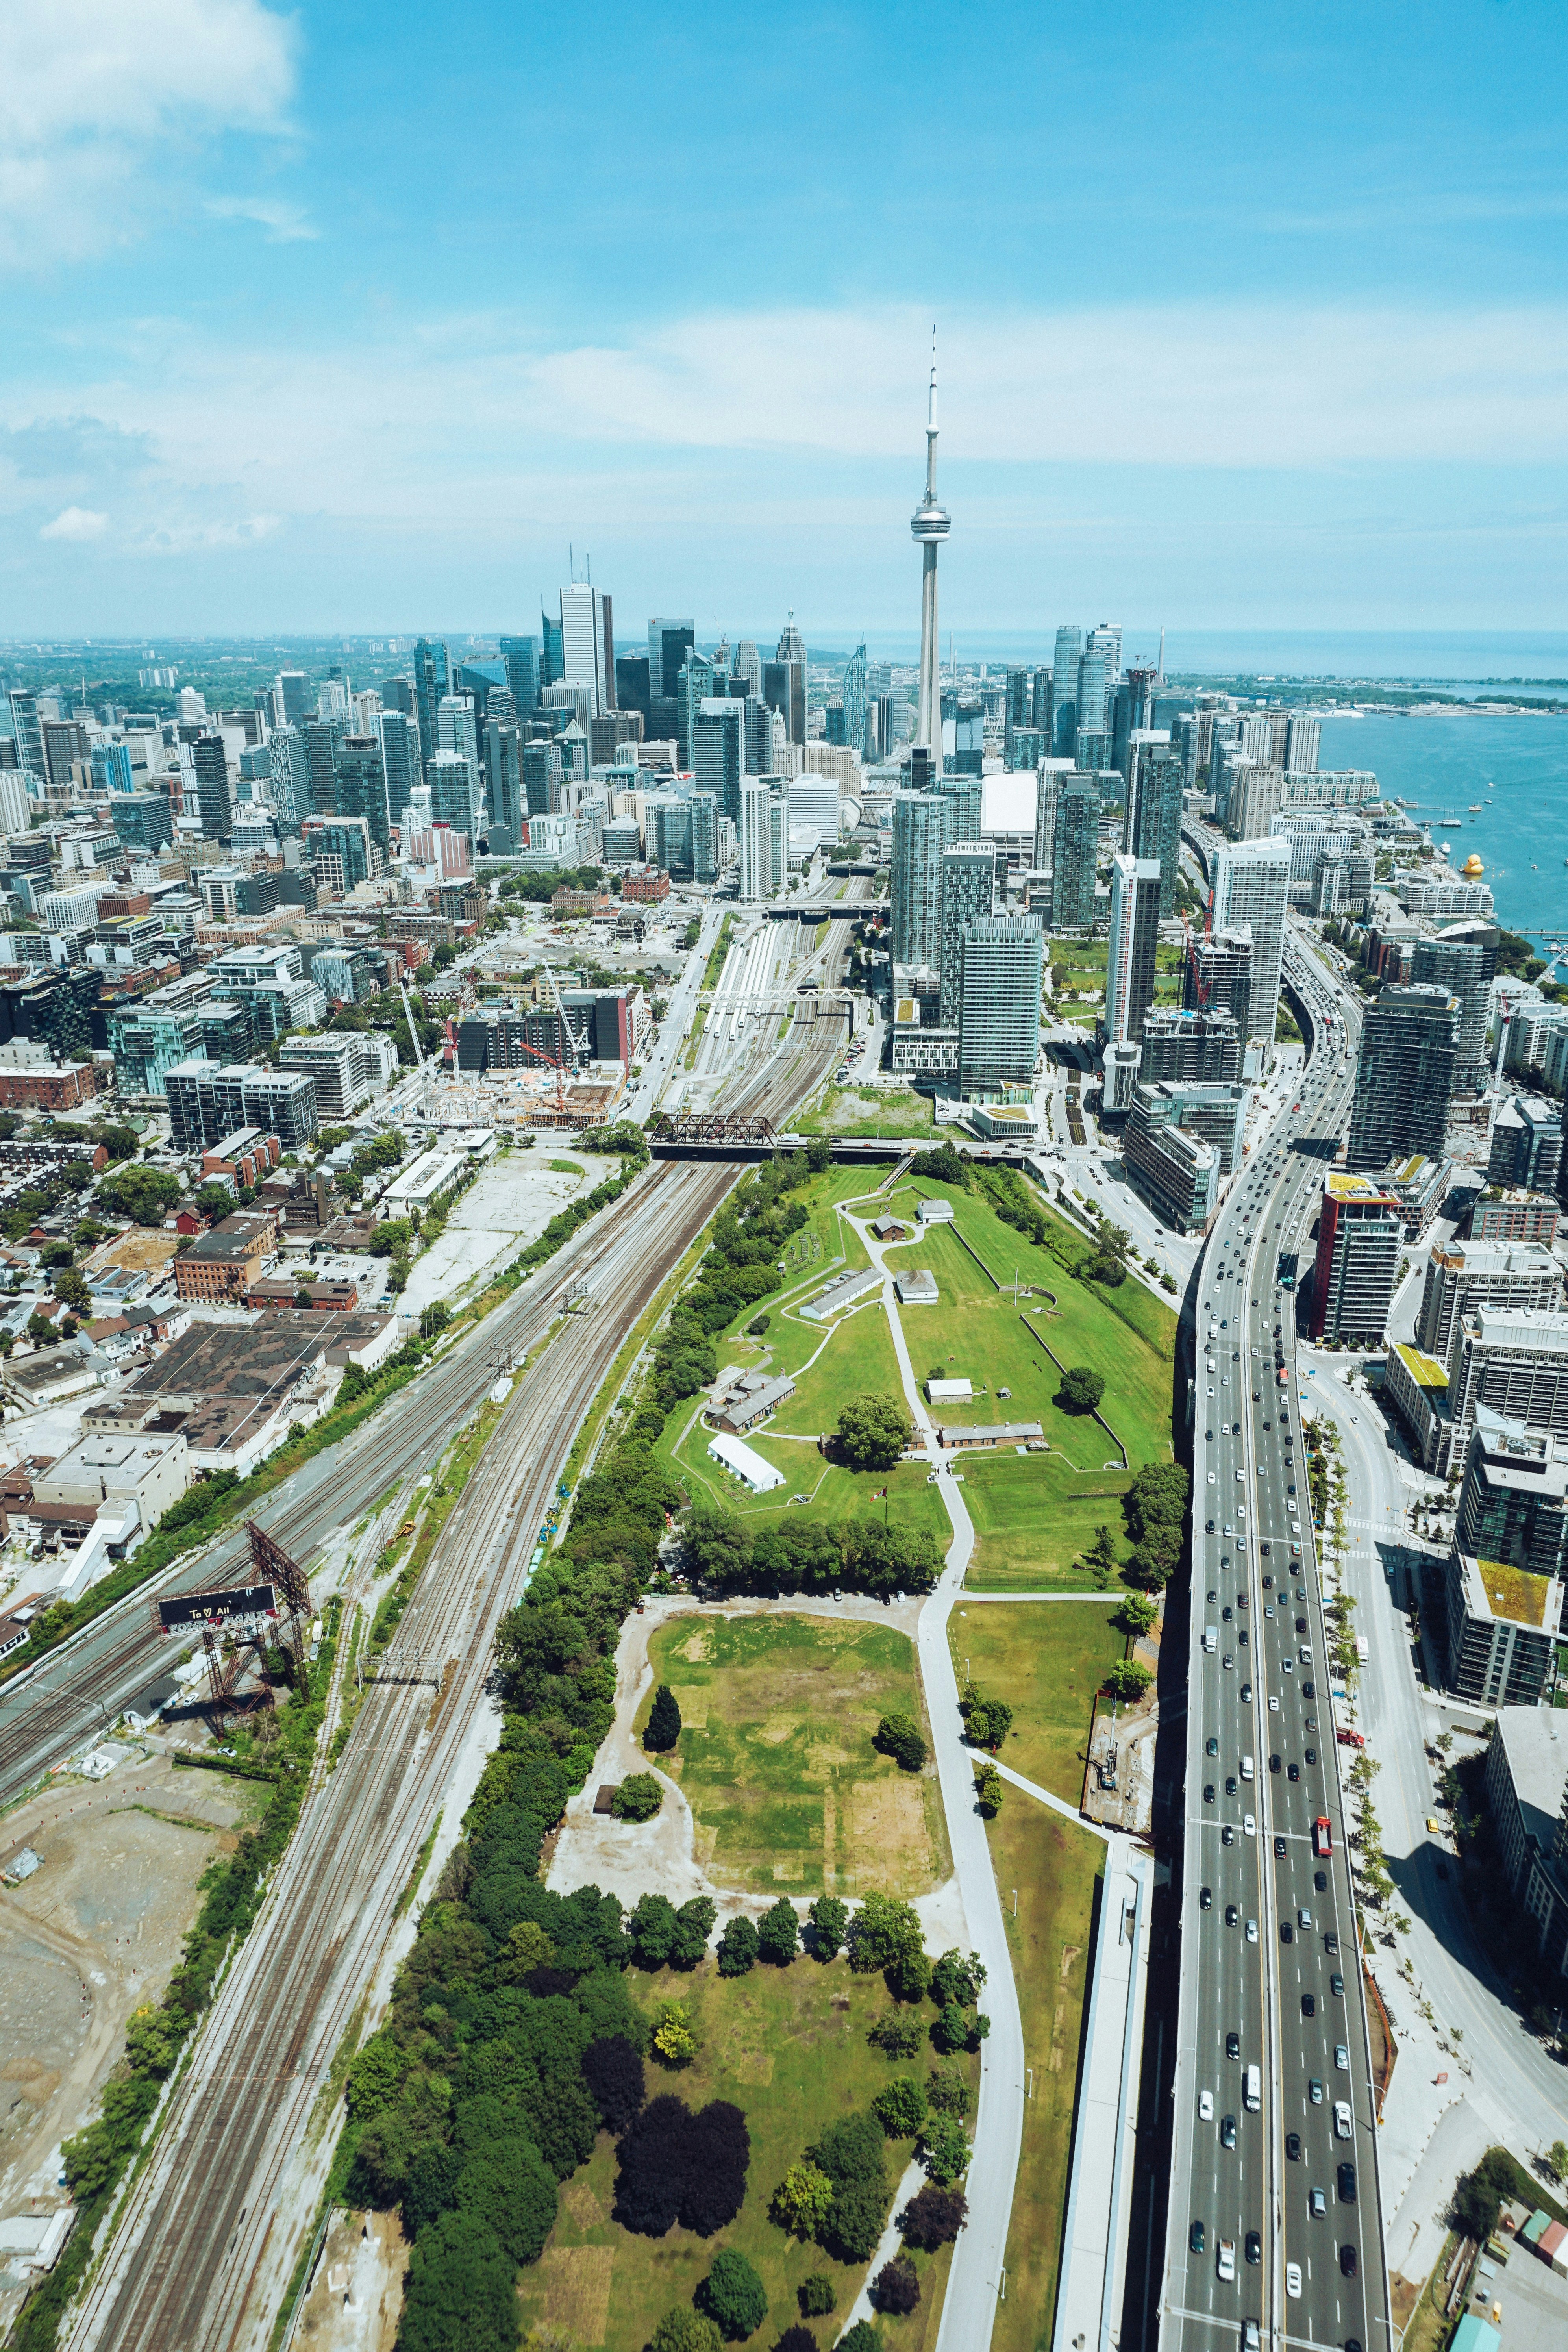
[1451, 823]
[1475, 808]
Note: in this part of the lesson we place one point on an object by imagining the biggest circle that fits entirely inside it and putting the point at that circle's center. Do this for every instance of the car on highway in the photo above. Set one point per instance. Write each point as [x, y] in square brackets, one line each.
[1293, 2147]
[1286, 1932]
[1249, 1825]
[1337, 1985]
[1196, 2238]
[1205, 1898]
[1231, 1915]
[1309, 2004]
[1343, 2126]
[1348, 2261]
[1341, 2058]
[1232, 2045]
[1315, 2090]
[1227, 2131]
[1227, 1835]
[1317, 2204]
[1254, 2247]
[1208, 1793]
[1227, 2262]
[1252, 1931]
[1205, 2106]
[1293, 2280]
[1279, 1849]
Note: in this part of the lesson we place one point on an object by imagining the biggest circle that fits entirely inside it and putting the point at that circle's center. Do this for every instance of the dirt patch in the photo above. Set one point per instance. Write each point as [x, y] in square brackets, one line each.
[140, 1251]
[577, 2290]
[91, 1936]
[356, 2295]
[581, 2206]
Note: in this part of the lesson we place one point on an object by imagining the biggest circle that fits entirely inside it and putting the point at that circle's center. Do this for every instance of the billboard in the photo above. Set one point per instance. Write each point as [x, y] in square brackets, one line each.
[247, 1608]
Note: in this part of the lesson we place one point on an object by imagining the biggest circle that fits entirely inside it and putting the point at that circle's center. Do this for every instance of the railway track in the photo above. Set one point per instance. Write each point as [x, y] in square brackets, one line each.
[214, 2226]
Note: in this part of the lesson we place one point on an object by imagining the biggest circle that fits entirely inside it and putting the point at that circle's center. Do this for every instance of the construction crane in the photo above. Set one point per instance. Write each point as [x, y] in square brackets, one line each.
[577, 1047]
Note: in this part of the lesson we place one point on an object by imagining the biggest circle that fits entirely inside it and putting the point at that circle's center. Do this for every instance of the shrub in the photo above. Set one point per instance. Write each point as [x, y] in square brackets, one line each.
[796, 2339]
[737, 1948]
[663, 1727]
[816, 2295]
[683, 2330]
[899, 1736]
[989, 1790]
[1082, 1388]
[898, 2287]
[934, 2217]
[901, 2108]
[759, 1324]
[673, 2039]
[862, 2337]
[778, 1933]
[638, 1798]
[829, 1922]
[734, 2295]
[1129, 1679]
[873, 1431]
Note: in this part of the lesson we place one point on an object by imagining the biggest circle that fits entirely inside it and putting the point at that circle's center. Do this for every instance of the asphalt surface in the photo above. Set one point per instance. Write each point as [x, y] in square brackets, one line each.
[1258, 1954]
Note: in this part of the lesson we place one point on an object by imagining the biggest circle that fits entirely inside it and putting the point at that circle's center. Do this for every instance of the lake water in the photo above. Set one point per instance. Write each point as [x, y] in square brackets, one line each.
[1517, 768]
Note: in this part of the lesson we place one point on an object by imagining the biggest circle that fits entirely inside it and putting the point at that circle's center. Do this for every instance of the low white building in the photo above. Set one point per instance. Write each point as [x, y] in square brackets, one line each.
[743, 1462]
[935, 1213]
[954, 1391]
[843, 1291]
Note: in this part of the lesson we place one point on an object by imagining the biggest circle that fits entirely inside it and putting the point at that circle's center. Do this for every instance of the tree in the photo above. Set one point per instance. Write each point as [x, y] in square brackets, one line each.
[947, 2092]
[613, 2071]
[638, 1798]
[986, 1721]
[734, 2295]
[882, 1934]
[213, 1200]
[873, 1431]
[1128, 1679]
[673, 2039]
[989, 1790]
[433, 1318]
[899, 2034]
[684, 2330]
[693, 1926]
[1080, 1390]
[958, 1977]
[1556, 2159]
[40, 1331]
[898, 2287]
[802, 2199]
[1101, 1554]
[72, 1290]
[862, 2337]
[934, 2217]
[900, 2107]
[829, 1920]
[663, 1727]
[718, 2153]
[899, 1736]
[778, 1933]
[944, 2150]
[651, 1927]
[147, 1195]
[460, 2292]
[1136, 1615]
[737, 1948]
[796, 2339]
[816, 2295]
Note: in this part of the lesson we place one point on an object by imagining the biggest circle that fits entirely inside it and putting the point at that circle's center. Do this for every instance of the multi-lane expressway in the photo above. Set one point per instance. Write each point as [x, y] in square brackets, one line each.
[1270, 2238]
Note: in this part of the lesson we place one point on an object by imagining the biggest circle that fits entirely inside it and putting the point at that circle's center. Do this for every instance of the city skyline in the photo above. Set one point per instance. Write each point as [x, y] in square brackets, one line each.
[284, 353]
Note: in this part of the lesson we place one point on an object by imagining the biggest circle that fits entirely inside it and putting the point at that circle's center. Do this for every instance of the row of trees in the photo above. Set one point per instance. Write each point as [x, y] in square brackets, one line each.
[734, 1555]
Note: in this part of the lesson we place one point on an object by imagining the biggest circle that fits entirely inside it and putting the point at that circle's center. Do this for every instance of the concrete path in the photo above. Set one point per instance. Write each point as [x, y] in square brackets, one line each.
[970, 1596]
[887, 2245]
[1057, 1804]
[979, 2256]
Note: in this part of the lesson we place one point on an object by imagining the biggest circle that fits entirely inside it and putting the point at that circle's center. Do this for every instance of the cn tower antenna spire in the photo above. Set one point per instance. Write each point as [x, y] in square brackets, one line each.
[930, 525]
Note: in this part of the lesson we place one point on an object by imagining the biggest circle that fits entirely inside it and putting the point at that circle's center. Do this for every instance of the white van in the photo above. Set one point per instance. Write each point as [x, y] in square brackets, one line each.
[1252, 2098]
[1247, 1772]
[1211, 1639]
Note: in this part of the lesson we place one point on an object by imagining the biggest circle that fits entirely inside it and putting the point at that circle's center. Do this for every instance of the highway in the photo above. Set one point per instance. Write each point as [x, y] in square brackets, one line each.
[1268, 2239]
[215, 2222]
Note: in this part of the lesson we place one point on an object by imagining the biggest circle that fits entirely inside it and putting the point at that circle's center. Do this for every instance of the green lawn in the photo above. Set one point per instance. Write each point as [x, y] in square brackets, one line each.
[789, 2047]
[1054, 1867]
[836, 1494]
[1035, 1519]
[858, 1357]
[1046, 1659]
[776, 1759]
[868, 1110]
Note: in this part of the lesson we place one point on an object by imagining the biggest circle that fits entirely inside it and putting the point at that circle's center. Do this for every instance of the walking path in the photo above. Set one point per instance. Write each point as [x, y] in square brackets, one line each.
[1057, 1804]
[974, 2283]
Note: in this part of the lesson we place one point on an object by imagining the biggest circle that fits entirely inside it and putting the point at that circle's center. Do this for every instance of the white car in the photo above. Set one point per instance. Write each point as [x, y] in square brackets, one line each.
[1293, 2280]
[1227, 2260]
[1252, 1931]
[1342, 2119]
[1240, 1477]
[1341, 2058]
[1205, 2106]
[1249, 1825]
[1211, 1477]
[1273, 1702]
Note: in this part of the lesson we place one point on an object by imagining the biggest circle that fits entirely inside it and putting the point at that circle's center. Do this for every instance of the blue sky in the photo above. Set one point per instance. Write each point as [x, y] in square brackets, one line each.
[357, 316]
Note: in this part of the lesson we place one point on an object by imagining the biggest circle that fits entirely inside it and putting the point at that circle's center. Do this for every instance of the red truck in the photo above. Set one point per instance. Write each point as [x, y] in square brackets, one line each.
[1323, 1838]
[1350, 1739]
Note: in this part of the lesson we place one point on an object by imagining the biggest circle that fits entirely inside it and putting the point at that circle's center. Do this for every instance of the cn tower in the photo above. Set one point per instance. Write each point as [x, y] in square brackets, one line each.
[930, 524]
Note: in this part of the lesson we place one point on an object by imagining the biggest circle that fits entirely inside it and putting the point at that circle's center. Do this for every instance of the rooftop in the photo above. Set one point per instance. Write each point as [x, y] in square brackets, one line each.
[1424, 1370]
[1514, 1592]
[1340, 1185]
[1535, 1742]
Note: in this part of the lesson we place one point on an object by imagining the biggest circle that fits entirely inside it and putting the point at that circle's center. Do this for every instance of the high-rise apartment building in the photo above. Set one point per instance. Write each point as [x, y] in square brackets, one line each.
[1251, 885]
[362, 787]
[764, 835]
[1218, 975]
[1301, 745]
[1463, 959]
[1090, 698]
[1404, 1078]
[1134, 936]
[700, 681]
[1359, 1236]
[1526, 1144]
[520, 656]
[293, 697]
[215, 796]
[1075, 850]
[999, 1007]
[1158, 783]
[1481, 1274]
[508, 794]
[400, 760]
[669, 643]
[855, 700]
[704, 807]
[719, 760]
[968, 890]
[432, 684]
[1064, 682]
[1187, 1048]
[920, 833]
[453, 791]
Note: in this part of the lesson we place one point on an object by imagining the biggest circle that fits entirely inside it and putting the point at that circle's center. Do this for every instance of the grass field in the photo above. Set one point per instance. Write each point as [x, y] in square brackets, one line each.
[1047, 1659]
[869, 1110]
[775, 1760]
[1034, 1520]
[1054, 1867]
[858, 1357]
[789, 2047]
[834, 1494]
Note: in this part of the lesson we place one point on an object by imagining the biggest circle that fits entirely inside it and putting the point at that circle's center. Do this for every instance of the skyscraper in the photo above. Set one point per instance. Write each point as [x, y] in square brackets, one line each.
[855, 700]
[669, 643]
[968, 882]
[1404, 1078]
[293, 699]
[450, 777]
[1218, 975]
[1091, 705]
[782, 688]
[919, 835]
[551, 655]
[1463, 959]
[520, 657]
[999, 1011]
[1134, 935]
[704, 809]
[361, 786]
[400, 760]
[1158, 780]
[1064, 690]
[290, 782]
[588, 644]
[215, 800]
[746, 668]
[1074, 852]
[698, 683]
[1252, 884]
[930, 525]
[508, 795]
[432, 682]
[756, 832]
[1052, 773]
[792, 649]
[718, 753]
[1106, 643]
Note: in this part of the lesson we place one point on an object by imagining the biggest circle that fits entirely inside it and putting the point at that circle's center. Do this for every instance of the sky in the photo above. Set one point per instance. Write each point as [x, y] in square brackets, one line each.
[378, 317]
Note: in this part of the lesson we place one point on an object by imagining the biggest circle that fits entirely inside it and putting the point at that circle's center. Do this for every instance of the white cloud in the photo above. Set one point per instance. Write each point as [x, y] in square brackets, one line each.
[285, 224]
[97, 97]
[76, 523]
